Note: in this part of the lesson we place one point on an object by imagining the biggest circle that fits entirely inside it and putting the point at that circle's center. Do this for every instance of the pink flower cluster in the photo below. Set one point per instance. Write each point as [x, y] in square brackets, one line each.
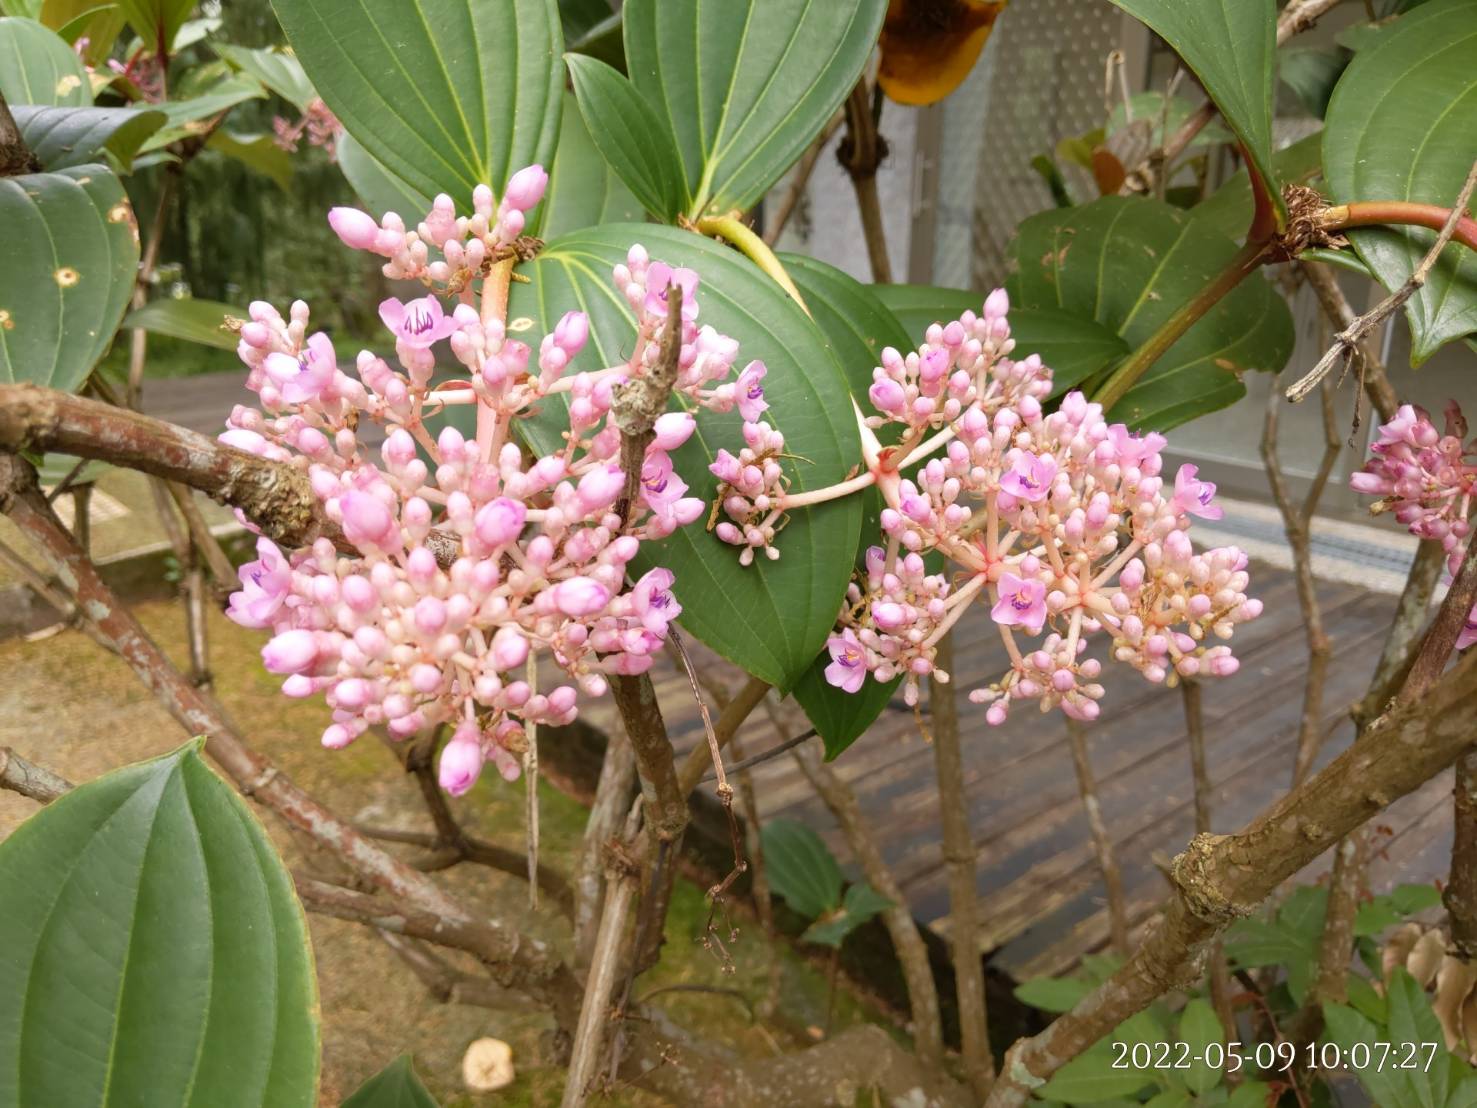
[1427, 478]
[466, 560]
[1060, 522]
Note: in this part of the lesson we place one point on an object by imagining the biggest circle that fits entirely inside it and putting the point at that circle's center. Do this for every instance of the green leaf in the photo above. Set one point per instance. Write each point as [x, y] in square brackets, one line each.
[446, 94]
[1091, 1077]
[605, 40]
[860, 904]
[282, 73]
[1231, 45]
[1128, 264]
[260, 153]
[379, 189]
[1411, 1021]
[773, 617]
[1400, 127]
[1312, 72]
[577, 17]
[1053, 994]
[68, 258]
[746, 84]
[840, 717]
[800, 868]
[633, 141]
[99, 23]
[1149, 107]
[63, 137]
[189, 319]
[27, 9]
[157, 21]
[1227, 211]
[583, 190]
[1171, 1098]
[1249, 1094]
[1200, 1028]
[1364, 997]
[186, 117]
[38, 67]
[154, 951]
[1075, 348]
[395, 1086]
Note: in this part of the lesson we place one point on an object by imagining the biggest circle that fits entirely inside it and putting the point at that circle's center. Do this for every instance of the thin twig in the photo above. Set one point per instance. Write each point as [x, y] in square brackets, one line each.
[1101, 841]
[1377, 387]
[1346, 342]
[30, 780]
[769, 755]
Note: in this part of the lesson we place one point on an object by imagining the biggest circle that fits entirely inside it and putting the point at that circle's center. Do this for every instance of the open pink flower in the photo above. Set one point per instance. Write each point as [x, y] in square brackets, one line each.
[1029, 477]
[1022, 603]
[303, 378]
[419, 323]
[749, 391]
[659, 277]
[653, 601]
[848, 668]
[1193, 495]
[265, 584]
[661, 488]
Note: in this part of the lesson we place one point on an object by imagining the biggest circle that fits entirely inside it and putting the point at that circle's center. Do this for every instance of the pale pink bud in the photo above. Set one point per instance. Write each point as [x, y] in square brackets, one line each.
[509, 648]
[461, 763]
[580, 596]
[367, 522]
[500, 521]
[672, 430]
[290, 652]
[526, 188]
[357, 229]
[599, 488]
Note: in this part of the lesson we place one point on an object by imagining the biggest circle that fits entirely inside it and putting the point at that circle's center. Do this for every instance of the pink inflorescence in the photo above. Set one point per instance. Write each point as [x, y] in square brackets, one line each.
[1427, 478]
[1062, 524]
[466, 559]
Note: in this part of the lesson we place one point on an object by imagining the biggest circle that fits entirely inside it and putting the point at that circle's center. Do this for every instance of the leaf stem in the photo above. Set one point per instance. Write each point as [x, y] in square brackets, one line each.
[733, 230]
[1368, 213]
[1248, 258]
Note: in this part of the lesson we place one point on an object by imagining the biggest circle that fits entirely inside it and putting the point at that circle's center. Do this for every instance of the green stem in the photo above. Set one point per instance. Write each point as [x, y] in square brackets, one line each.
[734, 231]
[1247, 259]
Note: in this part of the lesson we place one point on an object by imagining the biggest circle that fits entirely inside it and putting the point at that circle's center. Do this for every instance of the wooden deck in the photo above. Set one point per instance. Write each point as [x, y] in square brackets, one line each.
[1041, 891]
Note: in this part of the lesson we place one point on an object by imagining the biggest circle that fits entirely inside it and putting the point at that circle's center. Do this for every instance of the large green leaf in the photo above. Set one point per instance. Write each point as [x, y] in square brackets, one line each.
[156, 21]
[1401, 126]
[98, 22]
[1411, 1021]
[1201, 1031]
[282, 73]
[771, 618]
[185, 117]
[800, 867]
[189, 319]
[63, 137]
[746, 84]
[635, 143]
[38, 67]
[260, 152]
[68, 258]
[1231, 45]
[583, 190]
[1128, 263]
[1074, 347]
[446, 94]
[152, 950]
[840, 717]
[1092, 1077]
[381, 190]
[395, 1086]
[860, 904]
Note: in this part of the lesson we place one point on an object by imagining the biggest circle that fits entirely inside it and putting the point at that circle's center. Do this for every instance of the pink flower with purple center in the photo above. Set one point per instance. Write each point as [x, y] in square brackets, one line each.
[659, 278]
[653, 601]
[418, 324]
[1193, 495]
[1029, 476]
[265, 585]
[848, 668]
[1134, 450]
[303, 378]
[1022, 603]
[750, 391]
[661, 488]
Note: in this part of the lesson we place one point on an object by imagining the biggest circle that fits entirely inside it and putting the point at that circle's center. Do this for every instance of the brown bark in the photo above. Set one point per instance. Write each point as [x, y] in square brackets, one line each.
[912, 954]
[1460, 894]
[1102, 843]
[37, 782]
[15, 156]
[1336, 307]
[699, 758]
[959, 856]
[861, 152]
[1297, 523]
[1220, 878]
[613, 797]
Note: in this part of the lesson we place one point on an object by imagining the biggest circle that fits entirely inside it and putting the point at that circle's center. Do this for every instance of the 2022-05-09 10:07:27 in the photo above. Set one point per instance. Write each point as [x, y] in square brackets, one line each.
[1278, 1057]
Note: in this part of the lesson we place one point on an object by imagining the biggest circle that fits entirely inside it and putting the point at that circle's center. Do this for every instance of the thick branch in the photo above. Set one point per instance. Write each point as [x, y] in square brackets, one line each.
[1460, 894]
[1220, 878]
[959, 856]
[29, 779]
[15, 156]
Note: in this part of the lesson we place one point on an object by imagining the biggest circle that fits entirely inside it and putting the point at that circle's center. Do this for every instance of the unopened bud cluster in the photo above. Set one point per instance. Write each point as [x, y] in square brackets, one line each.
[467, 560]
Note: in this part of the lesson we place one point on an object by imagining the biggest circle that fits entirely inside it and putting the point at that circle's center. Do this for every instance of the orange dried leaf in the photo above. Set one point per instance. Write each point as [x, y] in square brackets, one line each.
[929, 46]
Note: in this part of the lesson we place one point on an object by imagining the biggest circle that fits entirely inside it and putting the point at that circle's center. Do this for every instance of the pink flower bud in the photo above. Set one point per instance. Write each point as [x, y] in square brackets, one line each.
[500, 521]
[580, 596]
[290, 652]
[599, 489]
[672, 430]
[461, 763]
[509, 649]
[367, 522]
[357, 229]
[526, 188]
